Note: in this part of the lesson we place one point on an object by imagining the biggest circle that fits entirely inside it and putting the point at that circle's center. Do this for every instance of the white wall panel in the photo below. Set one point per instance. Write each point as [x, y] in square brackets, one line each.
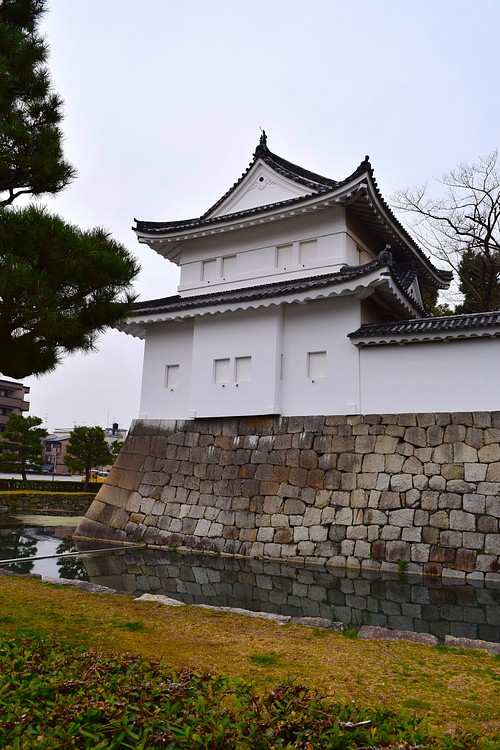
[461, 375]
[168, 346]
[243, 350]
[322, 383]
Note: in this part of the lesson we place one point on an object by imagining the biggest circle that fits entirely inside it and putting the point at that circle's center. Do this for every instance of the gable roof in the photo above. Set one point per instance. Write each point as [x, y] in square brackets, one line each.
[314, 183]
[358, 193]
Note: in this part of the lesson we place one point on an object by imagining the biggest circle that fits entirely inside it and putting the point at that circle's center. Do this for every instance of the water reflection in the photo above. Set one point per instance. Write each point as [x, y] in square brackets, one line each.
[420, 605]
[18, 542]
[72, 568]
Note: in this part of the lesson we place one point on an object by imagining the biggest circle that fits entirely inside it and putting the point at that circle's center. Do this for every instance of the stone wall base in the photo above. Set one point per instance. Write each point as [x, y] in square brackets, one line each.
[418, 493]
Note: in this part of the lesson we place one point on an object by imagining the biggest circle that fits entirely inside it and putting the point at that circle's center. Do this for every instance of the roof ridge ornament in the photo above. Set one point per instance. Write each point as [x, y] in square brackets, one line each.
[262, 147]
[366, 165]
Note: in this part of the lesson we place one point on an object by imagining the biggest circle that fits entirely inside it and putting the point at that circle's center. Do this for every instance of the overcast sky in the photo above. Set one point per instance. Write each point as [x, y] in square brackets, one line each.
[164, 101]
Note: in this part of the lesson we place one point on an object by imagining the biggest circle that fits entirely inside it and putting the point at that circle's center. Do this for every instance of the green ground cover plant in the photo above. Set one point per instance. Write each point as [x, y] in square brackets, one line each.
[52, 696]
[455, 691]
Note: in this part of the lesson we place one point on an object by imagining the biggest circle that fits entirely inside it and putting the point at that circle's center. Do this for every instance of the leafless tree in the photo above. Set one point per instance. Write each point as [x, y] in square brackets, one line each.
[461, 228]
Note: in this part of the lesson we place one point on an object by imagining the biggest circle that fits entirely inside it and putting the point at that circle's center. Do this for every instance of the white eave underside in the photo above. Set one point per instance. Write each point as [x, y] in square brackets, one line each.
[172, 252]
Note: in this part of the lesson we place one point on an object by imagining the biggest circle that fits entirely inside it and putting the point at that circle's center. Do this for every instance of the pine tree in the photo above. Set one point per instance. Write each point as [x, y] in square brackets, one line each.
[31, 158]
[60, 287]
[21, 446]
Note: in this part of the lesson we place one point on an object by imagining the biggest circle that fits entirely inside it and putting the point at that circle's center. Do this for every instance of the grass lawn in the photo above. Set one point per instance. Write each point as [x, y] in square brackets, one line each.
[456, 689]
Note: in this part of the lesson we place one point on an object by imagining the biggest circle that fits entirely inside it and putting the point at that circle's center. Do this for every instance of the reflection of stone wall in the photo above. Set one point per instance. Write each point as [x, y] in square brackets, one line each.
[355, 491]
[355, 598]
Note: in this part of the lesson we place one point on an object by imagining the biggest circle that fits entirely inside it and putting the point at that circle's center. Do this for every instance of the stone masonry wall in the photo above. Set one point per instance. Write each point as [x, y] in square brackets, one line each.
[57, 502]
[419, 492]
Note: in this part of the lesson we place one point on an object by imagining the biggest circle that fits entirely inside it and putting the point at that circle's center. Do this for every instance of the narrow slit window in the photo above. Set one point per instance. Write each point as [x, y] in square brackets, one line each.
[171, 376]
[222, 372]
[316, 365]
[242, 369]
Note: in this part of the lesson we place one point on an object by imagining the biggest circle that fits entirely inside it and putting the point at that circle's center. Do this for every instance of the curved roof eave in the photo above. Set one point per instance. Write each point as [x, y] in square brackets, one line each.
[440, 276]
[374, 275]
[441, 336]
[323, 190]
[319, 187]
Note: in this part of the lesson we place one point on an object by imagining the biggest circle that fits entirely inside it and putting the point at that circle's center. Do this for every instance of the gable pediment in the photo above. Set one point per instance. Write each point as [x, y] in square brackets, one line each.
[274, 188]
[261, 186]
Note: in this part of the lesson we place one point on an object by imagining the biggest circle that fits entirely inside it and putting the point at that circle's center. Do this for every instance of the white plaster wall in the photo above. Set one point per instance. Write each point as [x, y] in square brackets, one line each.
[316, 327]
[278, 340]
[254, 197]
[167, 344]
[459, 375]
[255, 248]
[254, 334]
[352, 252]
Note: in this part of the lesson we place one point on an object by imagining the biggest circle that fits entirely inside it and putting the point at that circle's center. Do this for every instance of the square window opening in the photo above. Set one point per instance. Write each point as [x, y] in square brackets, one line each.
[228, 266]
[242, 369]
[316, 365]
[308, 252]
[209, 270]
[222, 370]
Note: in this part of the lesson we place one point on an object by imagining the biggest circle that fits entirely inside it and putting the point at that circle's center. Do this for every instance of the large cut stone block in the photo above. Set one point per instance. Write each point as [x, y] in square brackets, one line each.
[397, 550]
[116, 496]
[401, 482]
[462, 521]
[402, 517]
[416, 436]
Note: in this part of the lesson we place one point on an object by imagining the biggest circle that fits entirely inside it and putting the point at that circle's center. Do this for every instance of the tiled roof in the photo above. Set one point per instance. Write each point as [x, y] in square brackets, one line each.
[162, 227]
[379, 219]
[316, 183]
[448, 324]
[347, 273]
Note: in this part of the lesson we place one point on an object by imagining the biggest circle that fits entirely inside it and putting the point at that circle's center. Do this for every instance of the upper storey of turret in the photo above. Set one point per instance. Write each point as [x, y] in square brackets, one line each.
[281, 221]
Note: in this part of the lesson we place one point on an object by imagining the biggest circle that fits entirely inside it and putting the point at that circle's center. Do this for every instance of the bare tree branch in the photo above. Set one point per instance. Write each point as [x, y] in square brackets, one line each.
[461, 228]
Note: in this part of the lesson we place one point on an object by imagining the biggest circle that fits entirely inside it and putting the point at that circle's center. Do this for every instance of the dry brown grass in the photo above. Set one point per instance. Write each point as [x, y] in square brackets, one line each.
[458, 689]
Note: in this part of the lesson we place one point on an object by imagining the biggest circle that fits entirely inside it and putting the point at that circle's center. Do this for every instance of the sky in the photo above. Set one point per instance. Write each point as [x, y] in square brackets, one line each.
[164, 102]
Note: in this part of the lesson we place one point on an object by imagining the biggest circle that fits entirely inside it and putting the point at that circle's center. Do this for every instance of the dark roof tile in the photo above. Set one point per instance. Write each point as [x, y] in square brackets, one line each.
[315, 182]
[317, 185]
[177, 303]
[447, 323]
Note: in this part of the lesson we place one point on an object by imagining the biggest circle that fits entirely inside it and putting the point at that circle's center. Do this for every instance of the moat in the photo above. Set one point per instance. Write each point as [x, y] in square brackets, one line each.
[398, 602]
